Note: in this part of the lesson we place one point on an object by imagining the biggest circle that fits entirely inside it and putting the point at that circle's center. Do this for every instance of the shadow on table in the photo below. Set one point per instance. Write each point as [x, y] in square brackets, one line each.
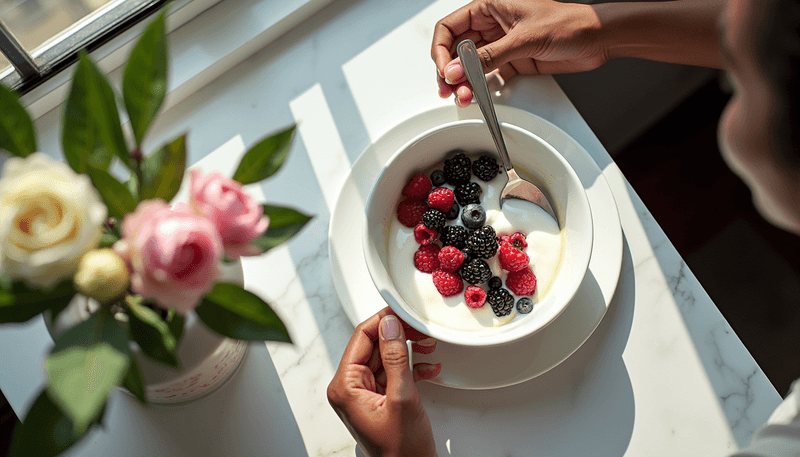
[743, 391]
[255, 421]
[584, 406]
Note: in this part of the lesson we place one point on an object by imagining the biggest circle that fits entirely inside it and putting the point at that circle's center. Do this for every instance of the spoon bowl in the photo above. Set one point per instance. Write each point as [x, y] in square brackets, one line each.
[516, 187]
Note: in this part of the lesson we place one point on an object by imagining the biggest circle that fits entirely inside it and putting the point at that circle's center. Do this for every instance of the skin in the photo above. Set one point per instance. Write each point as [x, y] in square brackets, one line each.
[373, 390]
[547, 37]
[745, 125]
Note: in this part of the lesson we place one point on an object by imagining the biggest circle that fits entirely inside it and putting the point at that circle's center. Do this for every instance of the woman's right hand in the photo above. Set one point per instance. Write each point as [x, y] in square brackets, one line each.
[516, 37]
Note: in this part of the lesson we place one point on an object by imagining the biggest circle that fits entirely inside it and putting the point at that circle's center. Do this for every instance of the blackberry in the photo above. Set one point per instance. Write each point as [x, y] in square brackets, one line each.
[501, 301]
[485, 168]
[453, 213]
[468, 193]
[453, 235]
[476, 271]
[495, 282]
[473, 216]
[482, 243]
[524, 305]
[467, 255]
[457, 169]
[437, 178]
[433, 219]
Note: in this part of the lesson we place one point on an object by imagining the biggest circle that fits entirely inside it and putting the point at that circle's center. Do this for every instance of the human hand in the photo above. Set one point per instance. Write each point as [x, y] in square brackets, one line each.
[373, 390]
[516, 37]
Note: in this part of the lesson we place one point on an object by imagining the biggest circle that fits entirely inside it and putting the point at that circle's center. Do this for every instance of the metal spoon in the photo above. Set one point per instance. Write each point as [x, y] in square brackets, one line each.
[516, 187]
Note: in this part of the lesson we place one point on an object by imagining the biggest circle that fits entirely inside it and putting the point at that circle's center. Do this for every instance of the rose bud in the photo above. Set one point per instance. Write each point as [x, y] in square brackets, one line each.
[101, 275]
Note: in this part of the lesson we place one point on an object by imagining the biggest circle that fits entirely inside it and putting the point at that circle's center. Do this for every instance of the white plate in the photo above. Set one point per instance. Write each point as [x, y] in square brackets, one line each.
[503, 365]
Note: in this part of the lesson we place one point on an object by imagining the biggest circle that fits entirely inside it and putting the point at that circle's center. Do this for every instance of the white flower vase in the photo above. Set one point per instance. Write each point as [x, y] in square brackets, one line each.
[207, 360]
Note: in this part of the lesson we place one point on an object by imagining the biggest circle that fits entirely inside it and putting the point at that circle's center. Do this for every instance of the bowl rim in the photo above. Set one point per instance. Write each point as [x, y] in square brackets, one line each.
[436, 330]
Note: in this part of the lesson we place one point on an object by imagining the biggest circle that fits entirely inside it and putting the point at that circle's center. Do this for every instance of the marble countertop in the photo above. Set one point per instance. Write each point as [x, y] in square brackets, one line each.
[663, 374]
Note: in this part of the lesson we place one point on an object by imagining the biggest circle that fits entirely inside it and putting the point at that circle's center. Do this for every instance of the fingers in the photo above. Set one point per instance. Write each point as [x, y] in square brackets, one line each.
[421, 372]
[394, 354]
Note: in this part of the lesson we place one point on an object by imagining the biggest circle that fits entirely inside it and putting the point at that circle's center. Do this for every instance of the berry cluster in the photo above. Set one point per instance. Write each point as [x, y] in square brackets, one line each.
[462, 251]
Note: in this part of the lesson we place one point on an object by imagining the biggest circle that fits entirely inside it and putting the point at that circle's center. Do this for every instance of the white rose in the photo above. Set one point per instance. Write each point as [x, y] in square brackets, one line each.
[49, 217]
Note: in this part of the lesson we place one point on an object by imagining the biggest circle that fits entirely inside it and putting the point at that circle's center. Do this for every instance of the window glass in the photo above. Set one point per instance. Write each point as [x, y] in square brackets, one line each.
[4, 64]
[34, 22]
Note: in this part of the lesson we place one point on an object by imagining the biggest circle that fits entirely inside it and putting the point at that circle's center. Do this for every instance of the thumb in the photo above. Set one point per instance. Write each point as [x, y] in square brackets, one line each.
[394, 356]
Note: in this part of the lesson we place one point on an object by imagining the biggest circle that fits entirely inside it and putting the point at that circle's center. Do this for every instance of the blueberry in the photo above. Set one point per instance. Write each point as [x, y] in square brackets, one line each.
[495, 282]
[524, 305]
[453, 213]
[473, 216]
[437, 178]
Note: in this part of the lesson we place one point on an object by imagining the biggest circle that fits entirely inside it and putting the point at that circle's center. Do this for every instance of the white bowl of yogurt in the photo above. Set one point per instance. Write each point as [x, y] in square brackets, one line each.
[559, 250]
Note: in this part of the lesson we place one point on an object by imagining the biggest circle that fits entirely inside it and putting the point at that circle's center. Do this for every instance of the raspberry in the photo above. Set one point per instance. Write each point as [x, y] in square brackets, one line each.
[450, 258]
[482, 243]
[501, 301]
[424, 235]
[409, 212]
[476, 271]
[475, 296]
[447, 283]
[512, 259]
[457, 169]
[522, 282]
[485, 168]
[468, 193]
[426, 259]
[441, 198]
[418, 188]
[454, 235]
[517, 239]
[433, 218]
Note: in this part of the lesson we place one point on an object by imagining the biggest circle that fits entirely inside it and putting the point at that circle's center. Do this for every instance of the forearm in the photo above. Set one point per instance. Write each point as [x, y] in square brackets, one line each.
[681, 31]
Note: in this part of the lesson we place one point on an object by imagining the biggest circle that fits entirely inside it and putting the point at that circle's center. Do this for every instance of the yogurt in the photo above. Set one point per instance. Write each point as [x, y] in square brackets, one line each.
[545, 250]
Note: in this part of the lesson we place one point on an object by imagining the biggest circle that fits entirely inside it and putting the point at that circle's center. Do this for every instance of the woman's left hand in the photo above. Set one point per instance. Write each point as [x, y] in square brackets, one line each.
[373, 391]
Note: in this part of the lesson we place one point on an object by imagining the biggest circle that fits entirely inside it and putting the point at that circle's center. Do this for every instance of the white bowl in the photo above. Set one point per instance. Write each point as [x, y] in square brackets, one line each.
[533, 159]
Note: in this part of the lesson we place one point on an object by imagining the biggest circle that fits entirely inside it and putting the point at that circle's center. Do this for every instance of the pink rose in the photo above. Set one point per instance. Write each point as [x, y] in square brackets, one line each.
[235, 213]
[173, 254]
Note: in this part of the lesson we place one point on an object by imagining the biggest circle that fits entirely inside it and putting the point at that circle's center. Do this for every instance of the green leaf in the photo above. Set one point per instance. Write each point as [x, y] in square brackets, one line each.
[108, 239]
[80, 137]
[19, 302]
[176, 323]
[103, 109]
[116, 195]
[236, 313]
[152, 334]
[45, 432]
[163, 170]
[144, 82]
[265, 158]
[87, 362]
[17, 134]
[132, 185]
[284, 223]
[134, 382]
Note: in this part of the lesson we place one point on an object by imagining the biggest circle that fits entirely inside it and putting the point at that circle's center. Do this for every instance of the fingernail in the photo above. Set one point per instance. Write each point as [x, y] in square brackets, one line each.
[390, 328]
[452, 73]
[427, 342]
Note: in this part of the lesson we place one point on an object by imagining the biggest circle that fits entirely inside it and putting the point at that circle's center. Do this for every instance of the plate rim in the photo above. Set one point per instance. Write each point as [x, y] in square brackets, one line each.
[428, 119]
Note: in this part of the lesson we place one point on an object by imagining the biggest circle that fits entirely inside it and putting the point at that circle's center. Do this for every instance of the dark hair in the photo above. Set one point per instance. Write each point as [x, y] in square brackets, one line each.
[778, 53]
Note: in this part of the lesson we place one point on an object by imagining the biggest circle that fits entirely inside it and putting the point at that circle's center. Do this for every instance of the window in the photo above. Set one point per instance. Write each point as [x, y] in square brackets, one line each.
[38, 38]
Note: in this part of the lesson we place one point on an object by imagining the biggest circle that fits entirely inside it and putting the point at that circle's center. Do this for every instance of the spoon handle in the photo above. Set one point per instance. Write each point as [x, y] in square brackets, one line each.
[474, 71]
